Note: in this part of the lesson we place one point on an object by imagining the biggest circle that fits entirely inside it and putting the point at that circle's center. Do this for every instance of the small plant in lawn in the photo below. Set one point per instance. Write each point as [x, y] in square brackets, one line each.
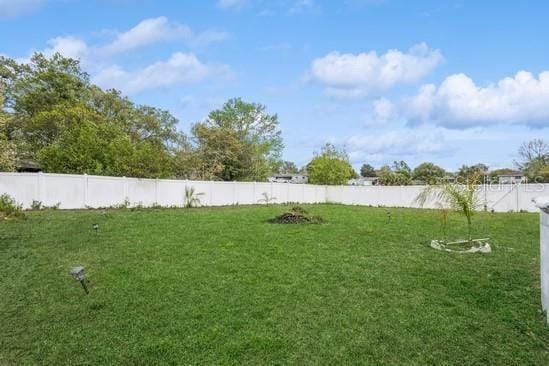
[9, 207]
[138, 207]
[444, 221]
[192, 197]
[460, 197]
[266, 198]
[53, 207]
[38, 205]
[123, 205]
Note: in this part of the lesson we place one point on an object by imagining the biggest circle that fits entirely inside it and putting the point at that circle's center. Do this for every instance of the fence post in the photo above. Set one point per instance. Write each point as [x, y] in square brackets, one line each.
[233, 184]
[543, 204]
[156, 191]
[125, 184]
[85, 190]
[485, 195]
[287, 192]
[211, 192]
[518, 198]
[184, 191]
[40, 180]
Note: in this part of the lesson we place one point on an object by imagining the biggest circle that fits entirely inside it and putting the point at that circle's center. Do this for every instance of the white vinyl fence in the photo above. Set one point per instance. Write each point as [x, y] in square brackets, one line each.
[81, 191]
[543, 204]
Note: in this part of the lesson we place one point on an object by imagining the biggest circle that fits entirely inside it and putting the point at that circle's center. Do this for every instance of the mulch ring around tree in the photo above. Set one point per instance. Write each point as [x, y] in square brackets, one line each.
[296, 215]
[463, 246]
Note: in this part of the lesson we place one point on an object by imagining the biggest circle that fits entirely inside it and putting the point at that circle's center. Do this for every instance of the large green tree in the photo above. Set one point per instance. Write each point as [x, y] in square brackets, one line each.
[466, 172]
[543, 174]
[534, 156]
[288, 167]
[67, 125]
[428, 172]
[34, 90]
[331, 167]
[399, 174]
[7, 148]
[366, 170]
[240, 141]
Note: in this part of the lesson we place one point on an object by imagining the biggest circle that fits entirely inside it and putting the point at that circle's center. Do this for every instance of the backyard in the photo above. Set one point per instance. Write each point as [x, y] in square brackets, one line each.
[224, 286]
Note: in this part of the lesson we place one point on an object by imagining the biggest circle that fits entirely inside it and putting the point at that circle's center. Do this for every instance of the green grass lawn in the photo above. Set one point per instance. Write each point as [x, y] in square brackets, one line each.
[222, 286]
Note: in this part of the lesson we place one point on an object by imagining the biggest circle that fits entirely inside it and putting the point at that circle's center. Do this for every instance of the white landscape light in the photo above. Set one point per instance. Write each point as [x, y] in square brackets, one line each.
[78, 274]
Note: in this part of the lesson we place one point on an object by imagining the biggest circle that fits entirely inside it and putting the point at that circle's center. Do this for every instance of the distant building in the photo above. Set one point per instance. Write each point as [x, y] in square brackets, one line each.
[363, 181]
[449, 178]
[27, 166]
[419, 182]
[513, 177]
[289, 178]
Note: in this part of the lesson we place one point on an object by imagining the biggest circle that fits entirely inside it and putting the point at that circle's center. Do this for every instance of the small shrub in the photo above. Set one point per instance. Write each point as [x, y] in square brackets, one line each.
[296, 215]
[138, 207]
[266, 198]
[53, 207]
[122, 205]
[38, 205]
[192, 197]
[9, 207]
[459, 197]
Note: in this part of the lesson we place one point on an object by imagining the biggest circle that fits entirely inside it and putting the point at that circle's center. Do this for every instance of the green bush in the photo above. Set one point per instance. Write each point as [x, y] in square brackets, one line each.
[9, 207]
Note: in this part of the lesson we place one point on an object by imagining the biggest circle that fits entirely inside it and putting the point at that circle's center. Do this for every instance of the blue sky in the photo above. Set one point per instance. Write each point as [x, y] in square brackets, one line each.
[452, 82]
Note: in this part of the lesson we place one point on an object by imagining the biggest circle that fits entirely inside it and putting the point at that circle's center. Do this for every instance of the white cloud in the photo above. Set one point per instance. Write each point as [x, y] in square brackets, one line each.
[15, 8]
[231, 4]
[397, 143]
[154, 30]
[68, 46]
[303, 6]
[180, 68]
[459, 102]
[186, 101]
[207, 37]
[147, 32]
[99, 60]
[382, 112]
[358, 75]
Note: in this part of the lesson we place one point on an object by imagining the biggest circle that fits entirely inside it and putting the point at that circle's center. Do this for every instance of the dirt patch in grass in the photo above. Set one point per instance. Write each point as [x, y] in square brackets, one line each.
[297, 215]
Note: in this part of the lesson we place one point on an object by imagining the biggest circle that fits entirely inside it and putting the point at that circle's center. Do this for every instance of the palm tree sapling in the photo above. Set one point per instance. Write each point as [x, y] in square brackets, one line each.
[461, 197]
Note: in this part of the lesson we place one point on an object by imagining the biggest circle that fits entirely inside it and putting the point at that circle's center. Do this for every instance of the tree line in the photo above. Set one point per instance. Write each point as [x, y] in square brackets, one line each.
[533, 164]
[54, 116]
